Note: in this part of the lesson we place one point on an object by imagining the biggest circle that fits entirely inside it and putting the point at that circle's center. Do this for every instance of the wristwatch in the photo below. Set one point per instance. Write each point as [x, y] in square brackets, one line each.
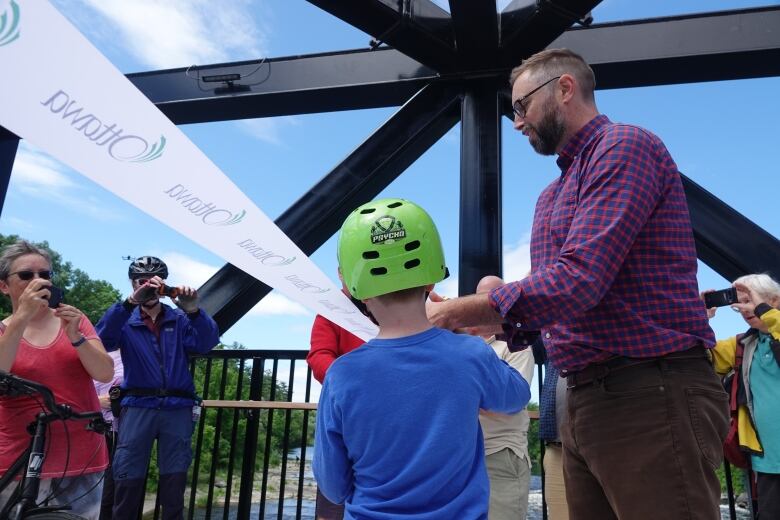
[79, 342]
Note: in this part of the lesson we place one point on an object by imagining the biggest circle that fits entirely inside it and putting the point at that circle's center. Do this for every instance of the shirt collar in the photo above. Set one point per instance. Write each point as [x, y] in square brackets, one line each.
[578, 141]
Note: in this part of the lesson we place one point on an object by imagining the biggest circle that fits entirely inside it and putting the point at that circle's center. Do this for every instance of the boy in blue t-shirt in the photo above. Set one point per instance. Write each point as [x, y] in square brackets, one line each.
[398, 432]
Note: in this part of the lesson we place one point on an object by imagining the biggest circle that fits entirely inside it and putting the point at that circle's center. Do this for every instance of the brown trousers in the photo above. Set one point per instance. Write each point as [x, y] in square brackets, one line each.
[643, 442]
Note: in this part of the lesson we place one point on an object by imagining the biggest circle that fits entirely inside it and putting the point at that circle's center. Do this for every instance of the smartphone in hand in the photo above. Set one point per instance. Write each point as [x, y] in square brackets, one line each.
[721, 298]
[56, 296]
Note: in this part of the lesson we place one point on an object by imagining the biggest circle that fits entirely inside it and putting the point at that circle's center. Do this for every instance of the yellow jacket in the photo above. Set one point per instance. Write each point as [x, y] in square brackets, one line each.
[724, 358]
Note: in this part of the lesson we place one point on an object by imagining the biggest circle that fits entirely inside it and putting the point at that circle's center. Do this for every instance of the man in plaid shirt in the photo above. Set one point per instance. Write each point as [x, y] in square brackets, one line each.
[613, 290]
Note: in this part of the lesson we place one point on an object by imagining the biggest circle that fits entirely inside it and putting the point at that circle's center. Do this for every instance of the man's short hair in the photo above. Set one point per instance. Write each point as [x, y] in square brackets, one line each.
[555, 62]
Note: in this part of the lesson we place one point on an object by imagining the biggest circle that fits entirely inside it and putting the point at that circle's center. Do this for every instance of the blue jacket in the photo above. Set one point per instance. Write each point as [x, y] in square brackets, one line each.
[152, 364]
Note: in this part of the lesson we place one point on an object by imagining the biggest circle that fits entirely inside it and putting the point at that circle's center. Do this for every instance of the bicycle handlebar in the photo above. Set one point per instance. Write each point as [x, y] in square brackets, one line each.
[14, 386]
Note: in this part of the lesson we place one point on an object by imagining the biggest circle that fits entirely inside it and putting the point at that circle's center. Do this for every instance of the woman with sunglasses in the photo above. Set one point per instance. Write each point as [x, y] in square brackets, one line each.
[57, 347]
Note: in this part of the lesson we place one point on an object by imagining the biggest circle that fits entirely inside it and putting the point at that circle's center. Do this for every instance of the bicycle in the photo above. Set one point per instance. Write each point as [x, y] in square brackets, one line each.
[23, 504]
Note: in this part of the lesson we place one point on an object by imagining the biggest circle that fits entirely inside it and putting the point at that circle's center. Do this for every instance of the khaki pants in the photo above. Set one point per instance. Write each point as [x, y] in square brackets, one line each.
[554, 486]
[509, 477]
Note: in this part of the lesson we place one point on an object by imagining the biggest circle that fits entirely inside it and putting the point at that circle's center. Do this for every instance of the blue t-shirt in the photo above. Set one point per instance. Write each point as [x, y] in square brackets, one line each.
[765, 387]
[398, 430]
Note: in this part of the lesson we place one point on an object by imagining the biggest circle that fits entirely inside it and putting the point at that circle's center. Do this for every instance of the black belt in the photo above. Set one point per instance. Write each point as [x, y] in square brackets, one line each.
[598, 371]
[156, 392]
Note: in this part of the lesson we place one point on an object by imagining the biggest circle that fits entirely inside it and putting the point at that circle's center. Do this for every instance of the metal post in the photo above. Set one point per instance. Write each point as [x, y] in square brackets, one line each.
[480, 184]
[250, 441]
[9, 143]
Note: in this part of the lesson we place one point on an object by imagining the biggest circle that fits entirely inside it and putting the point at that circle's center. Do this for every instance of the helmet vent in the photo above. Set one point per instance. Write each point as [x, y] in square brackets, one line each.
[370, 255]
[411, 264]
[367, 211]
[395, 204]
[378, 271]
[411, 246]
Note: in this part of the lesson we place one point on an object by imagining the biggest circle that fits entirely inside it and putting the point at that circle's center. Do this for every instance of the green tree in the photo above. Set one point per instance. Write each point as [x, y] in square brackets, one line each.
[92, 297]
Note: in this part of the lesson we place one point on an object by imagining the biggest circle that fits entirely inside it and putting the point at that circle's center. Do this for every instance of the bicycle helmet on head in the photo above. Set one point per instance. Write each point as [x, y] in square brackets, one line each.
[389, 245]
[146, 267]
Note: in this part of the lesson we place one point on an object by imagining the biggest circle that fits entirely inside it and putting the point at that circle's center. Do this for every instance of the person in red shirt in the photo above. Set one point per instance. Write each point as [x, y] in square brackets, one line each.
[329, 341]
[59, 348]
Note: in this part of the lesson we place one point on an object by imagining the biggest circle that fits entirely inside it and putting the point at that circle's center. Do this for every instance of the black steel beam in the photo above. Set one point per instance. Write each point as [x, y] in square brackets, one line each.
[9, 143]
[347, 80]
[418, 28]
[528, 27]
[480, 185]
[475, 25]
[726, 240]
[718, 46]
[315, 217]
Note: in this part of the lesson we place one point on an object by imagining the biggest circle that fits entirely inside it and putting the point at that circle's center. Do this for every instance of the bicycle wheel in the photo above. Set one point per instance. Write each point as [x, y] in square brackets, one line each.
[53, 515]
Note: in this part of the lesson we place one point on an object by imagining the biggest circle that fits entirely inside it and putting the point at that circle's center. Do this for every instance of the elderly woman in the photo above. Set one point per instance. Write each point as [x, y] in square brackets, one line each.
[759, 427]
[60, 349]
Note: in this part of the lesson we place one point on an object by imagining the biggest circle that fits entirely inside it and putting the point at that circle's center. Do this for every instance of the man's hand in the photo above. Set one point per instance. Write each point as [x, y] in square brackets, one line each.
[435, 307]
[187, 299]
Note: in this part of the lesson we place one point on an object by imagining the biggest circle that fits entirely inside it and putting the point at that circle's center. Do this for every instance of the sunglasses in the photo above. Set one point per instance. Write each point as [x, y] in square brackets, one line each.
[29, 275]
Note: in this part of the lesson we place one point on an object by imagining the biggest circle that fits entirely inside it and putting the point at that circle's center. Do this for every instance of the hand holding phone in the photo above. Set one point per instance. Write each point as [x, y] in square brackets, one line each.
[721, 298]
[56, 296]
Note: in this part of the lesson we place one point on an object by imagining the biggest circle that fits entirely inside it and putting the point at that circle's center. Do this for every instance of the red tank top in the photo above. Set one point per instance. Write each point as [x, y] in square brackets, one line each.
[57, 366]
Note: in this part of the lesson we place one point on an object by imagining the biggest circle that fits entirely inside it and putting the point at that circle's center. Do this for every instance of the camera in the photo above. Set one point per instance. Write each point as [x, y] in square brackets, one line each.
[165, 290]
[721, 298]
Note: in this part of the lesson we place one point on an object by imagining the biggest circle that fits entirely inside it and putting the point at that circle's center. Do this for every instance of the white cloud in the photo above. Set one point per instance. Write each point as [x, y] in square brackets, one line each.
[517, 264]
[185, 270]
[35, 171]
[517, 260]
[267, 129]
[275, 304]
[178, 33]
[37, 175]
[448, 287]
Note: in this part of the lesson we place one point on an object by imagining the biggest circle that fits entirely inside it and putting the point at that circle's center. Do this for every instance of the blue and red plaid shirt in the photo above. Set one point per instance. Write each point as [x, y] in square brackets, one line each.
[613, 262]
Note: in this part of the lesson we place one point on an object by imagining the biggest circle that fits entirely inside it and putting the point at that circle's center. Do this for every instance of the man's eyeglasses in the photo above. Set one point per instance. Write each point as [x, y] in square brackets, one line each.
[518, 107]
[29, 275]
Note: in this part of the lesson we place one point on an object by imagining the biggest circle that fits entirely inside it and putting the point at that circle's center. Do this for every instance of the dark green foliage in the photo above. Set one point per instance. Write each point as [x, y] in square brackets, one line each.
[213, 440]
[92, 297]
[534, 450]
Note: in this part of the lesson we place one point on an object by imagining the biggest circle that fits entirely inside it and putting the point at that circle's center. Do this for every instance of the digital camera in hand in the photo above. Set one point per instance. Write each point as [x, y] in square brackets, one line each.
[721, 298]
[165, 290]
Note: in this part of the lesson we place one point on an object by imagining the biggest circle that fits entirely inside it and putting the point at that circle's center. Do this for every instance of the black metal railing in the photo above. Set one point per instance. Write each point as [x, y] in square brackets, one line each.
[257, 412]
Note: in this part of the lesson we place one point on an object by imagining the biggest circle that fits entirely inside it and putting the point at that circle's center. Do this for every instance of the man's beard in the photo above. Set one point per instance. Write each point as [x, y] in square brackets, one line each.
[547, 135]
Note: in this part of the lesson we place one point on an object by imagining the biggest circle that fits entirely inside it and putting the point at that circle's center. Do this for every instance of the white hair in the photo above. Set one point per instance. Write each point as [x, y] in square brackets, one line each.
[762, 283]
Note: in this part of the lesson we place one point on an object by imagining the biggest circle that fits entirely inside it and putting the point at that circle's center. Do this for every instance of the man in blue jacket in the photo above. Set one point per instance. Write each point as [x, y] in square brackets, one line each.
[158, 395]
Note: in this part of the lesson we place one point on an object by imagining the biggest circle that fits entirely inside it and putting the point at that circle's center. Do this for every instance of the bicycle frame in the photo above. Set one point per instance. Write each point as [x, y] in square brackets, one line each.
[24, 503]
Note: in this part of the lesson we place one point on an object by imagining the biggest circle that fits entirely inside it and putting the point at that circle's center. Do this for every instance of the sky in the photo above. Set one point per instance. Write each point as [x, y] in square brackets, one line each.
[721, 134]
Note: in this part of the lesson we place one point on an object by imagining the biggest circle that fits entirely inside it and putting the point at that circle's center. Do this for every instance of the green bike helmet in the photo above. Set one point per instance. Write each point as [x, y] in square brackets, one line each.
[389, 245]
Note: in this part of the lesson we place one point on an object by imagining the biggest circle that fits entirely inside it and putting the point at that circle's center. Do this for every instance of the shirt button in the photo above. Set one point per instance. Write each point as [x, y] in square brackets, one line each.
[547, 336]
